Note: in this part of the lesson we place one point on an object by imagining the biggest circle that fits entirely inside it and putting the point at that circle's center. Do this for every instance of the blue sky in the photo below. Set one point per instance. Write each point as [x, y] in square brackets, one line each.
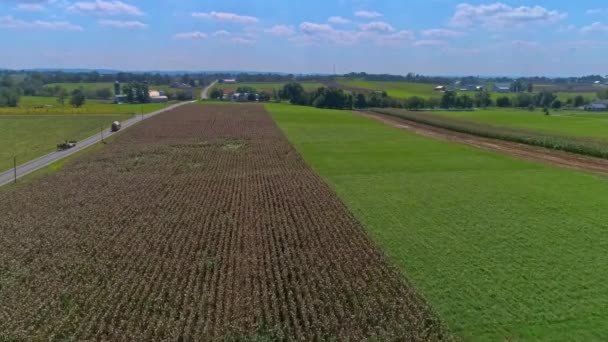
[439, 37]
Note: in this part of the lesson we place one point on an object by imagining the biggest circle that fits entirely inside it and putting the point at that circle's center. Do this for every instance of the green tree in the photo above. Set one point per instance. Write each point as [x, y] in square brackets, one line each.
[579, 100]
[78, 98]
[449, 99]
[216, 93]
[414, 102]
[61, 97]
[360, 101]
[103, 93]
[483, 99]
[557, 104]
[294, 92]
[503, 101]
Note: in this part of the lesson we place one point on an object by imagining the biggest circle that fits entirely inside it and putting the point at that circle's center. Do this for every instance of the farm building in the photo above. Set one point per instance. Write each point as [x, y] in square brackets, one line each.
[597, 106]
[158, 96]
[440, 88]
[229, 81]
[118, 99]
[502, 88]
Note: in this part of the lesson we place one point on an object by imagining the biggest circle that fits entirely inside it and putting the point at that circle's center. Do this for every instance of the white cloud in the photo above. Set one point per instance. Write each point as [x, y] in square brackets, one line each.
[243, 41]
[281, 30]
[221, 33]
[314, 28]
[596, 11]
[315, 33]
[441, 34]
[377, 26]
[227, 17]
[196, 35]
[12, 23]
[101, 7]
[367, 14]
[30, 7]
[596, 27]
[123, 24]
[338, 20]
[430, 43]
[499, 15]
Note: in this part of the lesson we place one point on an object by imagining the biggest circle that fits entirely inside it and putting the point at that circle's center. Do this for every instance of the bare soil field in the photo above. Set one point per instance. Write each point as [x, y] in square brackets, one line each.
[555, 157]
[202, 223]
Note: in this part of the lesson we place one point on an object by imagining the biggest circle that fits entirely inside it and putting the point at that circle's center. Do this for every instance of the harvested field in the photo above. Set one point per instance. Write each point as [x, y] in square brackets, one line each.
[201, 223]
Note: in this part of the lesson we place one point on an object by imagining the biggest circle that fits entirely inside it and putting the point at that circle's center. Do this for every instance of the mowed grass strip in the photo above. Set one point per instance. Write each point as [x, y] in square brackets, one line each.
[575, 123]
[503, 248]
[30, 137]
[581, 145]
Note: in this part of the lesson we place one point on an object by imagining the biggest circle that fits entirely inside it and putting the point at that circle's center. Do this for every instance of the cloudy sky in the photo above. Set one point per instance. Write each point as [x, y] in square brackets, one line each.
[439, 37]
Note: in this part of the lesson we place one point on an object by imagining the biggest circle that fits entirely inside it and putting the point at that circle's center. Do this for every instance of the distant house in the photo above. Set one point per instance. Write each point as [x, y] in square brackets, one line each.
[179, 85]
[470, 88]
[157, 97]
[502, 88]
[440, 88]
[229, 81]
[597, 106]
[243, 97]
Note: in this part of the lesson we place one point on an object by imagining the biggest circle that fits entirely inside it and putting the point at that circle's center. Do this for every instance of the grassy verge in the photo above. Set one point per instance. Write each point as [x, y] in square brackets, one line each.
[29, 137]
[585, 146]
[503, 249]
[54, 167]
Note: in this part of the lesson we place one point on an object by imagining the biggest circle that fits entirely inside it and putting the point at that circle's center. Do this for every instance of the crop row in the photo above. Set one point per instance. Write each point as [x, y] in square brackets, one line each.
[590, 147]
[202, 223]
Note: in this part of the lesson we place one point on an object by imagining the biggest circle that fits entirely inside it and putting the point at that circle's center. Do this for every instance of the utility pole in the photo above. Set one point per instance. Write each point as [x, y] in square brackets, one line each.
[15, 168]
[101, 132]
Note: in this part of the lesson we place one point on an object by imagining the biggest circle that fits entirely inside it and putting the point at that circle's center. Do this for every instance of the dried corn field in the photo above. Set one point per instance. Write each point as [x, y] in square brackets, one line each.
[202, 223]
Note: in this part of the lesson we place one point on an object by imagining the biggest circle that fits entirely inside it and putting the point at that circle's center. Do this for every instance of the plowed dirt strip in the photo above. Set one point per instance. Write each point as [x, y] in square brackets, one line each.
[200, 224]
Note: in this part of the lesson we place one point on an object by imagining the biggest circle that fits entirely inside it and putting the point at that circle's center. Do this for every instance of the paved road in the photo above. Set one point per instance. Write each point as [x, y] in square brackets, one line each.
[36, 164]
[205, 93]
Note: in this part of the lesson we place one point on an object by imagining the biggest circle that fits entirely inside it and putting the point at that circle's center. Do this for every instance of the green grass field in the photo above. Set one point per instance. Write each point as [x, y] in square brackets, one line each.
[266, 86]
[394, 89]
[29, 137]
[571, 123]
[37, 105]
[503, 249]
[86, 86]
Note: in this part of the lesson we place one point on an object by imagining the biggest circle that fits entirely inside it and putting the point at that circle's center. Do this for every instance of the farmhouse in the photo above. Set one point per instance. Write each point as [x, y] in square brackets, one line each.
[502, 88]
[118, 99]
[158, 96]
[229, 81]
[440, 88]
[597, 106]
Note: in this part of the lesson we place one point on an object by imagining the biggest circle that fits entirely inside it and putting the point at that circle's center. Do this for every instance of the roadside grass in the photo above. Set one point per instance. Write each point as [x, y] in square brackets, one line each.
[38, 105]
[393, 89]
[54, 167]
[503, 249]
[30, 137]
[582, 145]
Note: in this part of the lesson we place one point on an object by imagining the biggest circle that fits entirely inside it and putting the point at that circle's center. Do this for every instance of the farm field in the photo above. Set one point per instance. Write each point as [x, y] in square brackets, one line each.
[394, 89]
[38, 105]
[572, 123]
[86, 86]
[200, 224]
[265, 86]
[28, 137]
[503, 249]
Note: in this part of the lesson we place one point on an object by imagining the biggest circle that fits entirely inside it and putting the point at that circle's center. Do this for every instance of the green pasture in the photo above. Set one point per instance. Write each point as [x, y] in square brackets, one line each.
[394, 89]
[86, 86]
[29, 137]
[38, 105]
[266, 86]
[503, 249]
[571, 123]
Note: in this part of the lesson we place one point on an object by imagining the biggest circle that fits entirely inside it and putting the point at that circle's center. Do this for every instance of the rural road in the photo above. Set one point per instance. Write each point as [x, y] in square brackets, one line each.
[205, 92]
[36, 164]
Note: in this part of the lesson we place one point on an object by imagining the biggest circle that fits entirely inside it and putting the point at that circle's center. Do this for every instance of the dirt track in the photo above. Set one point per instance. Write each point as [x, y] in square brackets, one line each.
[560, 158]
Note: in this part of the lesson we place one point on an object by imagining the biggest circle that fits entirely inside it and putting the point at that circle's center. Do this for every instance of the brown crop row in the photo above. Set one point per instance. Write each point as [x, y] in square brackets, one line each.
[202, 223]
